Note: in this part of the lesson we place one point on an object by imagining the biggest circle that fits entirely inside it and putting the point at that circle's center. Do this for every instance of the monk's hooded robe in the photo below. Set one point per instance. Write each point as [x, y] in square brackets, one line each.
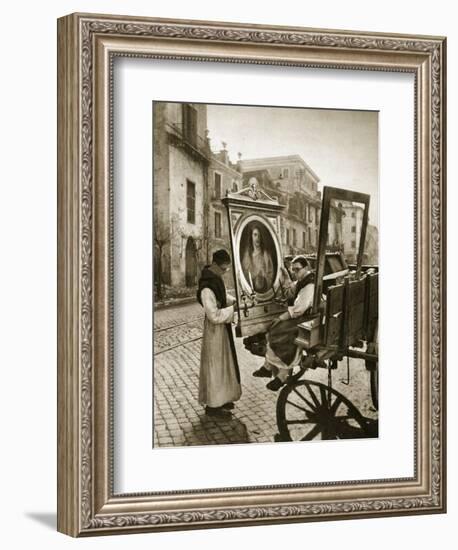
[219, 379]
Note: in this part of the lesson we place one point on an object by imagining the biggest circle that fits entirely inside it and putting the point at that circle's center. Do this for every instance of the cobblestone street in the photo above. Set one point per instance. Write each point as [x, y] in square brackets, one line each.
[178, 417]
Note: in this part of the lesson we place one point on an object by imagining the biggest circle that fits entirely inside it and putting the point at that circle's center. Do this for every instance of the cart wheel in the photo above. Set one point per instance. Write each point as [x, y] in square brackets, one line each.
[372, 367]
[374, 386]
[310, 410]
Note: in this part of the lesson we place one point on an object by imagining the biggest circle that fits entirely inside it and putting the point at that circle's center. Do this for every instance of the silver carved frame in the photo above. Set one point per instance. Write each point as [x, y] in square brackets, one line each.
[87, 45]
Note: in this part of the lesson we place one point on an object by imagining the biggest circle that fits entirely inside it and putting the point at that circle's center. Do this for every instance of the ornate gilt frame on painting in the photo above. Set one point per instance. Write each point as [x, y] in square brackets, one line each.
[87, 44]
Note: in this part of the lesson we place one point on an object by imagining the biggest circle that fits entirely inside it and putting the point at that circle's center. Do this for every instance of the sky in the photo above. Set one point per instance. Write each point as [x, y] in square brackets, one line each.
[340, 146]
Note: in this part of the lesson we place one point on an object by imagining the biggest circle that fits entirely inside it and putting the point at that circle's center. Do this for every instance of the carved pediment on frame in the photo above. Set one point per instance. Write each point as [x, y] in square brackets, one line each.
[253, 192]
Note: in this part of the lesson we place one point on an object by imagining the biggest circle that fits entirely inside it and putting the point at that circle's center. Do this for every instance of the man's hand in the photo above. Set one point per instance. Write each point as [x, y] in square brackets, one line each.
[283, 317]
[284, 275]
[275, 322]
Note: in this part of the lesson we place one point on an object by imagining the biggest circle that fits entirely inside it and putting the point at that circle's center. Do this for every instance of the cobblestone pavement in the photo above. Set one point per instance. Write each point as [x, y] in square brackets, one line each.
[179, 420]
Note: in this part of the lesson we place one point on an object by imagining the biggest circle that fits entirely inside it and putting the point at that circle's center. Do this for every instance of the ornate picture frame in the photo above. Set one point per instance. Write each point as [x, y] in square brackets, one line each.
[87, 47]
[248, 209]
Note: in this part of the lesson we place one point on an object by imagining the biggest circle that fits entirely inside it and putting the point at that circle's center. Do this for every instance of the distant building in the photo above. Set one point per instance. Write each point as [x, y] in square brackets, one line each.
[291, 180]
[345, 225]
[223, 176]
[335, 240]
[371, 248]
[352, 223]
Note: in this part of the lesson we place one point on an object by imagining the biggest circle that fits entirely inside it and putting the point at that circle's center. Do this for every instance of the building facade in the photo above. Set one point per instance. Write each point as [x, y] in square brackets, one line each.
[224, 176]
[345, 226]
[371, 247]
[181, 160]
[352, 222]
[291, 180]
[190, 221]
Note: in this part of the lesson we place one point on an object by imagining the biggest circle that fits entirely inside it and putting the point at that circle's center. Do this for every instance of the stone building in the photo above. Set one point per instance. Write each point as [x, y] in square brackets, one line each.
[335, 237]
[352, 223]
[223, 176]
[349, 216]
[344, 231]
[371, 247]
[295, 185]
[181, 160]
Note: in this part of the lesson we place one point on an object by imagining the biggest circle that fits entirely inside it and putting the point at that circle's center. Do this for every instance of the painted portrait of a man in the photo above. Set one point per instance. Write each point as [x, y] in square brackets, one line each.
[257, 256]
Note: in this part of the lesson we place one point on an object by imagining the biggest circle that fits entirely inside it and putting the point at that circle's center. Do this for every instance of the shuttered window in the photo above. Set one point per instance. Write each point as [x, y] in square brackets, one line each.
[190, 123]
[217, 185]
[218, 225]
[191, 201]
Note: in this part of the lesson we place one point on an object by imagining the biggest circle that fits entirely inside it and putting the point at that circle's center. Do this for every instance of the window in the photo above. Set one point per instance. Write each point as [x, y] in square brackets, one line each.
[353, 244]
[217, 185]
[303, 239]
[284, 173]
[353, 214]
[235, 187]
[293, 206]
[310, 234]
[353, 228]
[287, 236]
[191, 201]
[190, 123]
[294, 237]
[218, 225]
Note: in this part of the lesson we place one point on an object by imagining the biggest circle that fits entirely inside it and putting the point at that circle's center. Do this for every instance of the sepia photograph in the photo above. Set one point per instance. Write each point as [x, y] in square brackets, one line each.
[266, 266]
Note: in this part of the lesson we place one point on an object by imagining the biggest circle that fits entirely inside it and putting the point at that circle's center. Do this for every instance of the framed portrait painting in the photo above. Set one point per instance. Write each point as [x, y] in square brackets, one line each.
[251, 274]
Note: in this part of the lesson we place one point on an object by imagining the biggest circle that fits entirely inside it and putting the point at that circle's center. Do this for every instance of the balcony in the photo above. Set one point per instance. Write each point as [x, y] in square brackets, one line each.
[195, 145]
[335, 247]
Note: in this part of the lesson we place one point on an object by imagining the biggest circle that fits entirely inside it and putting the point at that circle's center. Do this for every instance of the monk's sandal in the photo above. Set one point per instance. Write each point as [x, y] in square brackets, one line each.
[262, 373]
[275, 384]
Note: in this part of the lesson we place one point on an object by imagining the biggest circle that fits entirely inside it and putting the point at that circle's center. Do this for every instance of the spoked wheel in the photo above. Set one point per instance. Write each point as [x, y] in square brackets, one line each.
[372, 367]
[310, 410]
[374, 386]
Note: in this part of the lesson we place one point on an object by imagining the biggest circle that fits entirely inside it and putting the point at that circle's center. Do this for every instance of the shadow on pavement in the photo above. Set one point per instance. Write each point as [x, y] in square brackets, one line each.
[210, 431]
[349, 431]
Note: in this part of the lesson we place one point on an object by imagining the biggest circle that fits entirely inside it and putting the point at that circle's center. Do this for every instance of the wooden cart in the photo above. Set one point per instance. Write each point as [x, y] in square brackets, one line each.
[343, 324]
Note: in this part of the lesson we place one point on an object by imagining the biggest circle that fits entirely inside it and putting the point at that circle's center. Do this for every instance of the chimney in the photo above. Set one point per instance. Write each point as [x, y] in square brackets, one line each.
[223, 154]
[238, 166]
